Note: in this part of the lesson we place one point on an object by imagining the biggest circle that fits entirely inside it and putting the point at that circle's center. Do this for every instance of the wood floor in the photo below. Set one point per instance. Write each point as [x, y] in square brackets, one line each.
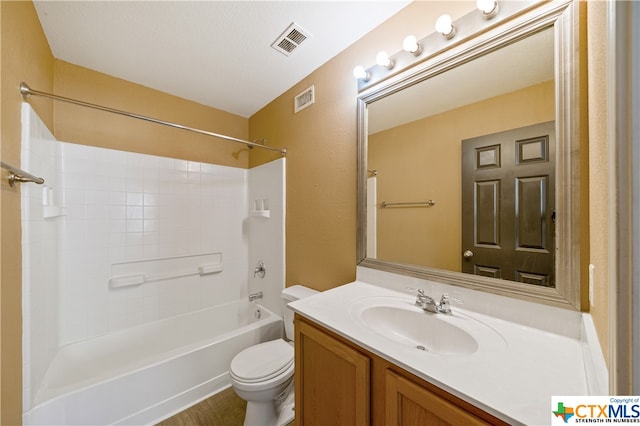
[222, 409]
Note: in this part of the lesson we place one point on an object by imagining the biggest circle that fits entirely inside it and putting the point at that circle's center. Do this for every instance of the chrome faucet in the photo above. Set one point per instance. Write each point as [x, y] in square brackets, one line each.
[255, 296]
[428, 303]
[423, 301]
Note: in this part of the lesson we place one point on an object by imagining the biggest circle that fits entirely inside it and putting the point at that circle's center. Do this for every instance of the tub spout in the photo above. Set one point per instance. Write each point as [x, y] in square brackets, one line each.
[255, 296]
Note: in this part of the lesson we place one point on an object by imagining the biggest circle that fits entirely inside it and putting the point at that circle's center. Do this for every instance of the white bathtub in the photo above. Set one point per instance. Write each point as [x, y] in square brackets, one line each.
[147, 373]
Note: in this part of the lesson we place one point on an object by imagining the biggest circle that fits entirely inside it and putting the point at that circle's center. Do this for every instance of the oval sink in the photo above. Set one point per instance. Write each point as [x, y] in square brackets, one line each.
[400, 321]
[423, 330]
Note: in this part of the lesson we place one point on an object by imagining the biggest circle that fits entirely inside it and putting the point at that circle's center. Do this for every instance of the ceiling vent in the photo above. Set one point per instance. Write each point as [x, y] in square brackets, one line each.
[290, 39]
[304, 99]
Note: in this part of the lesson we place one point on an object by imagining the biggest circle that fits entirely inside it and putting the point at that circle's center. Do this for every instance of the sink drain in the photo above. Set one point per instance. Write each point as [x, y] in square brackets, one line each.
[420, 347]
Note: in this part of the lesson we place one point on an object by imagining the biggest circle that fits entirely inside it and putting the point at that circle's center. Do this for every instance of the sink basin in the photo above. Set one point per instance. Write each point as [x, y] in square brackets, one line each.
[399, 320]
[423, 330]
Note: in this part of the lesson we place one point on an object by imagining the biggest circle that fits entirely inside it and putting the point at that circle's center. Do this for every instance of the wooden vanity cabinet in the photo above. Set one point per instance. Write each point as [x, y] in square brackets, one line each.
[408, 400]
[339, 383]
[332, 379]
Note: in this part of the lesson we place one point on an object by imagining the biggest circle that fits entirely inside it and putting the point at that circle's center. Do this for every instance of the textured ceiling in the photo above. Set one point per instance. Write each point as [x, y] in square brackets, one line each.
[217, 53]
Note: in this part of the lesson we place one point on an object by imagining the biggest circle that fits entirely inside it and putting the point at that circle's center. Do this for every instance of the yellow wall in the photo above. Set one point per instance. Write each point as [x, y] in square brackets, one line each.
[97, 128]
[321, 143]
[422, 160]
[0, 219]
[321, 185]
[599, 169]
[25, 56]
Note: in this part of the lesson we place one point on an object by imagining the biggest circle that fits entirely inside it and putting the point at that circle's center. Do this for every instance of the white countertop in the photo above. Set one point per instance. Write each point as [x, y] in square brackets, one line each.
[513, 381]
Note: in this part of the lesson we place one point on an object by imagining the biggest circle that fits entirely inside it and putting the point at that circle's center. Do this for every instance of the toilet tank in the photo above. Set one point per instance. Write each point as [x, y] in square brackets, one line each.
[291, 294]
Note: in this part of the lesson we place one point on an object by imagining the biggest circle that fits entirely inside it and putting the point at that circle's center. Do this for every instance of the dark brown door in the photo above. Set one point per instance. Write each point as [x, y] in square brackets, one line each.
[508, 205]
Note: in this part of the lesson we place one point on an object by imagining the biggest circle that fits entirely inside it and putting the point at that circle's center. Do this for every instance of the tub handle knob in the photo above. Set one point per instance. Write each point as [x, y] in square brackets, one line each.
[260, 270]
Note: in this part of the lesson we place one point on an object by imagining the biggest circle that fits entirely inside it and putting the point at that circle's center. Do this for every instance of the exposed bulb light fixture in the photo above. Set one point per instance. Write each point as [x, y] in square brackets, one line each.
[383, 59]
[489, 8]
[360, 73]
[411, 45]
[444, 25]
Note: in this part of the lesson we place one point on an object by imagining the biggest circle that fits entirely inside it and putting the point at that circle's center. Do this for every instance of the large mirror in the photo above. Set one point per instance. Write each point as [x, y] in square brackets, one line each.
[469, 163]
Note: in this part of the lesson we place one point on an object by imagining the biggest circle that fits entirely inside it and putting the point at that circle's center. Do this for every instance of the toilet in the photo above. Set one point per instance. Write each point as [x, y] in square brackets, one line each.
[262, 374]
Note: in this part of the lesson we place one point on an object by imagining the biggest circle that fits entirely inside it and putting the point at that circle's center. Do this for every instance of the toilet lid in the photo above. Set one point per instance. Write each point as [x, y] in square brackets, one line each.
[262, 361]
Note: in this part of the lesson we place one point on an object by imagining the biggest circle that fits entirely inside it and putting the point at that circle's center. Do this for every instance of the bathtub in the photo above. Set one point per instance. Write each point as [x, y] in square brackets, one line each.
[147, 373]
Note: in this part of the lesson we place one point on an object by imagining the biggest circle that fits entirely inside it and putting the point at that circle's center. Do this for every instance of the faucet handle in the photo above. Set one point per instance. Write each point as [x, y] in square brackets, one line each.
[260, 270]
[446, 298]
[444, 306]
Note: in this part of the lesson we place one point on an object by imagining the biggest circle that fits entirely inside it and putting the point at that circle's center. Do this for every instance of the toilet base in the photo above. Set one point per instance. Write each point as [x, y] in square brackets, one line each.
[261, 413]
[286, 409]
[275, 412]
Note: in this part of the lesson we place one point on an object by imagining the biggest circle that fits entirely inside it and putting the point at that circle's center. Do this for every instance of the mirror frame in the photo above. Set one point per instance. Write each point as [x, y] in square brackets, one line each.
[563, 16]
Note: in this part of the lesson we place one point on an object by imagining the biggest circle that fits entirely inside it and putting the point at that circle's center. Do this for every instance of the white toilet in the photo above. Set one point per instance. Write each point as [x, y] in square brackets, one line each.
[263, 374]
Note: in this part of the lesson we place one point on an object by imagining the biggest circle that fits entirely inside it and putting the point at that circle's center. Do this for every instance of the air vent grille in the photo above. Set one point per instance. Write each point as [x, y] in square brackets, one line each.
[304, 99]
[290, 39]
[296, 36]
[287, 45]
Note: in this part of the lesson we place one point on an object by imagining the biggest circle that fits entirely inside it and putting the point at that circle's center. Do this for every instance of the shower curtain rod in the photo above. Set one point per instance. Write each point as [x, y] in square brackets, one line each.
[19, 175]
[26, 91]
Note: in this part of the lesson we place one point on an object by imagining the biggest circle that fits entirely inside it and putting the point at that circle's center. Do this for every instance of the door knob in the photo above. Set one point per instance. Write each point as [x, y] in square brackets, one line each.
[468, 254]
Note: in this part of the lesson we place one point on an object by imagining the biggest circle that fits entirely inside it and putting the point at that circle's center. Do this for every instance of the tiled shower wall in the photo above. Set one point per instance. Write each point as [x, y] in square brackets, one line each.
[106, 207]
[122, 206]
[267, 237]
[40, 254]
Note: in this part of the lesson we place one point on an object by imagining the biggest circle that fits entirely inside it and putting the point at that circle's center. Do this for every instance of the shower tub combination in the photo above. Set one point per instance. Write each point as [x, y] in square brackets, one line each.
[73, 373]
[146, 373]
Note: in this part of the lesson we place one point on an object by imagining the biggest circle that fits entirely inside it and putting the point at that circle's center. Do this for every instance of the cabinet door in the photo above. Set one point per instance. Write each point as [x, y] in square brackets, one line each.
[332, 380]
[410, 404]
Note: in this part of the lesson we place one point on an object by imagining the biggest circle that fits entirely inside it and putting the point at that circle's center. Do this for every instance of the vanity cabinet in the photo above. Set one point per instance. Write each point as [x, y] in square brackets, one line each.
[332, 379]
[407, 402]
[340, 383]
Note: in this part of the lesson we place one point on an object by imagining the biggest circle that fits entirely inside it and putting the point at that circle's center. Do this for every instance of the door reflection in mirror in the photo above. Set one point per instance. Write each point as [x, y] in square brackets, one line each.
[415, 143]
[508, 197]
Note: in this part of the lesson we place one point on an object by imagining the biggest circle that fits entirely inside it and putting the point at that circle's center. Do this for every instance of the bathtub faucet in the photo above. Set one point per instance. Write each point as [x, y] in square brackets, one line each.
[255, 296]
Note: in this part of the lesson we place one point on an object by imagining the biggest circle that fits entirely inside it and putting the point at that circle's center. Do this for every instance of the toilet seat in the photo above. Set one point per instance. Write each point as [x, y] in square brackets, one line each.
[262, 362]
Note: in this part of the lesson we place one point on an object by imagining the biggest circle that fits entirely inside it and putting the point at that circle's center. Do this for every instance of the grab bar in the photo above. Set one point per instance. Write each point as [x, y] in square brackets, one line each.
[428, 203]
[20, 176]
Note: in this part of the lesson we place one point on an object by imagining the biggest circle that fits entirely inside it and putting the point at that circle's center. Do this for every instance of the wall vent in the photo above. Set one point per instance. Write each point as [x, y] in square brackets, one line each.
[304, 99]
[290, 39]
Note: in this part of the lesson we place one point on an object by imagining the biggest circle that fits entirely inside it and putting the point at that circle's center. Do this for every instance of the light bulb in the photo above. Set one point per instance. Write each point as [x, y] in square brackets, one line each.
[360, 73]
[489, 8]
[411, 45]
[444, 25]
[382, 59]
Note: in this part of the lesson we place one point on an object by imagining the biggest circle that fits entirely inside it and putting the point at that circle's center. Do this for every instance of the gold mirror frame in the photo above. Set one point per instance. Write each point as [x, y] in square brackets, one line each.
[563, 16]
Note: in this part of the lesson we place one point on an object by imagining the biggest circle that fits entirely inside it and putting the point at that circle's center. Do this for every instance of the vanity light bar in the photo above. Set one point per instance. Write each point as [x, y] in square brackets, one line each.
[415, 50]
